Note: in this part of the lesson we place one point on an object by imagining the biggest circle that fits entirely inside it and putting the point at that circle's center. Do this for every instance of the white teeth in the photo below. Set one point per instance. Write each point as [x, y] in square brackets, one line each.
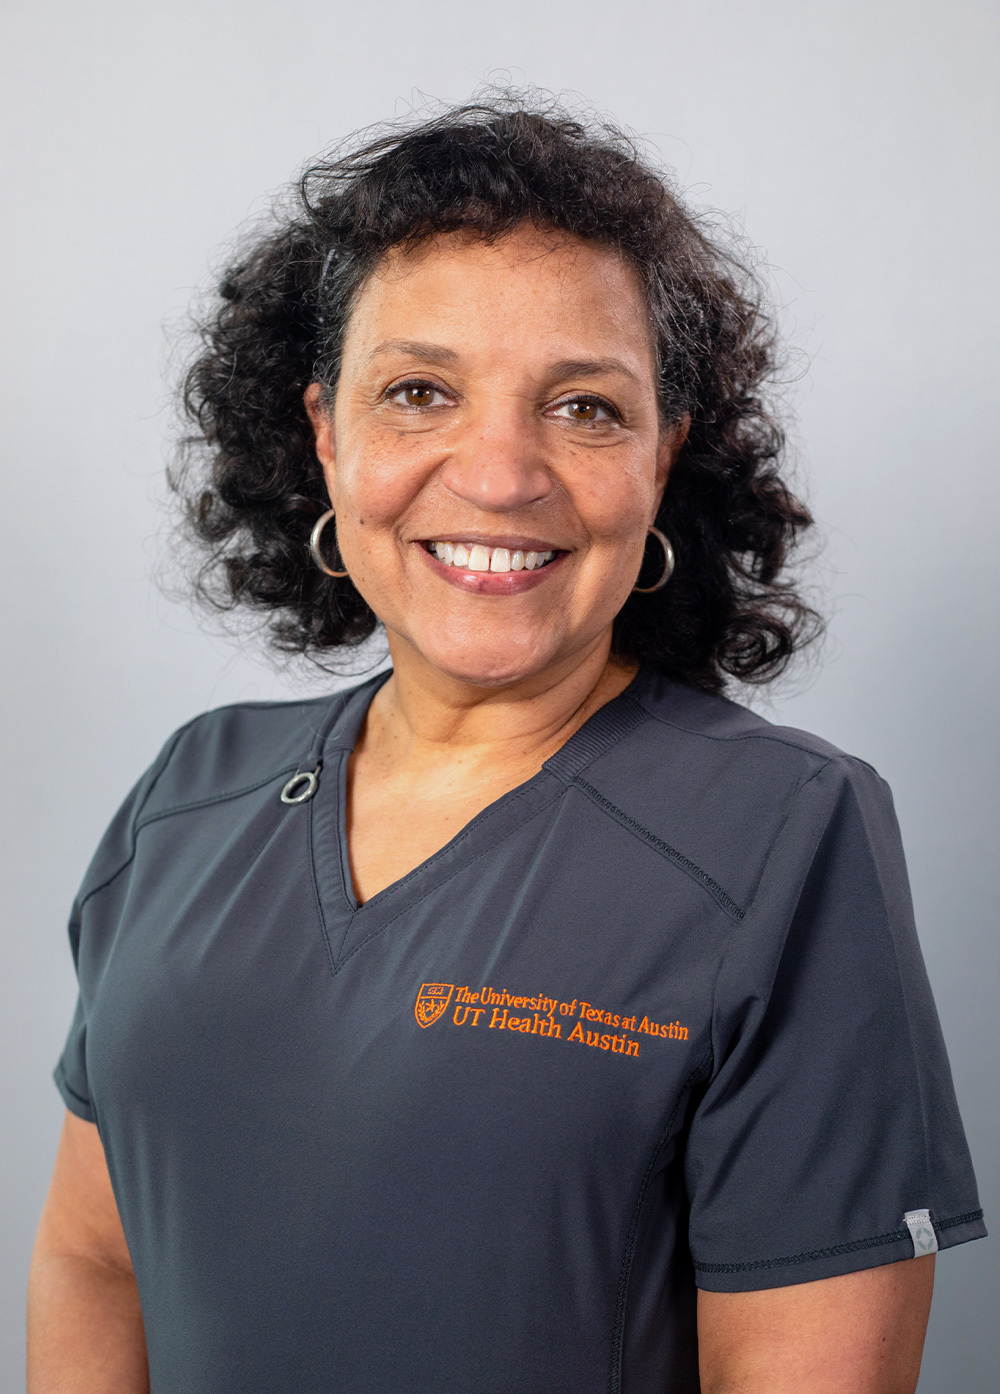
[481, 558]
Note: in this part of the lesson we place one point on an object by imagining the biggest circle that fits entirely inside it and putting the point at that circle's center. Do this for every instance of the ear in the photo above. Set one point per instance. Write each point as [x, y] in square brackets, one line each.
[671, 441]
[322, 423]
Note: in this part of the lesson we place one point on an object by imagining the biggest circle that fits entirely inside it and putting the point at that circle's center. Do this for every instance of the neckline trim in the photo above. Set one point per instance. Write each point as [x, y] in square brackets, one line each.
[342, 915]
[602, 729]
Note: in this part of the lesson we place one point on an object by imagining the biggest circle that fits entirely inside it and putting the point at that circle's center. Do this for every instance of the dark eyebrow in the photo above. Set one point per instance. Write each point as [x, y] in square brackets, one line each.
[415, 348]
[563, 368]
[589, 368]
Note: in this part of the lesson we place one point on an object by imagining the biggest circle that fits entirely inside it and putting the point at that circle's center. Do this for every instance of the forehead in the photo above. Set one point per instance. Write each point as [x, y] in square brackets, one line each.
[532, 290]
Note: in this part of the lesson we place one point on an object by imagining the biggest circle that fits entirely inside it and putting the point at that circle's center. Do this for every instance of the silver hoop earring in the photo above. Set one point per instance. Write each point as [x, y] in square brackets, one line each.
[314, 538]
[668, 565]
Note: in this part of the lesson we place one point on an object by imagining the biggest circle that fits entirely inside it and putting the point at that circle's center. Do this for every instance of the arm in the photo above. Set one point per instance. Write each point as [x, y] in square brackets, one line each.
[84, 1324]
[862, 1333]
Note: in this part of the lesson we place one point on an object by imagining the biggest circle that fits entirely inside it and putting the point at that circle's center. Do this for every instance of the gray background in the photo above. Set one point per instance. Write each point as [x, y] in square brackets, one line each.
[854, 139]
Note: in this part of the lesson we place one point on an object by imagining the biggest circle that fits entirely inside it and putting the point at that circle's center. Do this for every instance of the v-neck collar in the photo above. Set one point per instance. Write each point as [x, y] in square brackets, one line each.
[348, 924]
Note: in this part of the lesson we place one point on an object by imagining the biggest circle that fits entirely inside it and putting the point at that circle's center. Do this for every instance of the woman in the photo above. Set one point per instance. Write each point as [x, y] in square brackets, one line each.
[530, 1017]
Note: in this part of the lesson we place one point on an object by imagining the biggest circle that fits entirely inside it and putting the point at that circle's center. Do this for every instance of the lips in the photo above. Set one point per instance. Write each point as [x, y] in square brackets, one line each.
[504, 566]
[478, 557]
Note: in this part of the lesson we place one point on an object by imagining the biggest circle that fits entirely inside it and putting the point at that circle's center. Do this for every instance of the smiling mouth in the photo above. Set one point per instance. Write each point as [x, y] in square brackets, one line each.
[476, 557]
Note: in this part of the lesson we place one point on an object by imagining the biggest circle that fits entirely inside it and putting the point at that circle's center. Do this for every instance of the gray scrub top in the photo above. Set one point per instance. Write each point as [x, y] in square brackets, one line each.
[654, 1020]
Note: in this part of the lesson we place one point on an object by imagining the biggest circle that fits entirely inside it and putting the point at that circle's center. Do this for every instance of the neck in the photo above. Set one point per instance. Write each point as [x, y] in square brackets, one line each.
[422, 710]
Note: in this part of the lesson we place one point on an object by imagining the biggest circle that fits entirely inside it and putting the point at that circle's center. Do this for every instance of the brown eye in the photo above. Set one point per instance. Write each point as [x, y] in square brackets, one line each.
[416, 394]
[587, 410]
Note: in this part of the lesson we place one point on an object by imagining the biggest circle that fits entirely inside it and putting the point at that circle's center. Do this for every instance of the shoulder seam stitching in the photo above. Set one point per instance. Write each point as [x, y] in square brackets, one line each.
[669, 853]
[139, 822]
[615, 738]
[168, 813]
[766, 735]
[134, 828]
[792, 802]
[212, 798]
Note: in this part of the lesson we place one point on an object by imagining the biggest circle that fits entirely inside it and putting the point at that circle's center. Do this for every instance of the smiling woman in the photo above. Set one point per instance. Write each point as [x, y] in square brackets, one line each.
[528, 436]
[329, 1123]
[611, 235]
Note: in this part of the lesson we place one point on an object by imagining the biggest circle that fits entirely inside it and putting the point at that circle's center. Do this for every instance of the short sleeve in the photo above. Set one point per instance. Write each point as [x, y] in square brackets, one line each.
[91, 929]
[830, 1113]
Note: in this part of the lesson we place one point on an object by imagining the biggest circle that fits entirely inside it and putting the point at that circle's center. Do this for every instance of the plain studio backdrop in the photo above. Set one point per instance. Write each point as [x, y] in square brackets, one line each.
[854, 140]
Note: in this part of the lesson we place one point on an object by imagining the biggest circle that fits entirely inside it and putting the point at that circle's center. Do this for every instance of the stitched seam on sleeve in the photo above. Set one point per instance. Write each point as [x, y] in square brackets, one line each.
[792, 802]
[853, 1247]
[763, 871]
[81, 1098]
[725, 948]
[966, 1219]
[103, 885]
[907, 1014]
[669, 853]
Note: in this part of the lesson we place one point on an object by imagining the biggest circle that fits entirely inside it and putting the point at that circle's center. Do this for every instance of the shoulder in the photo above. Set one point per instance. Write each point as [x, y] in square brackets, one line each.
[704, 736]
[228, 750]
[218, 755]
[719, 784]
[234, 749]
[705, 721]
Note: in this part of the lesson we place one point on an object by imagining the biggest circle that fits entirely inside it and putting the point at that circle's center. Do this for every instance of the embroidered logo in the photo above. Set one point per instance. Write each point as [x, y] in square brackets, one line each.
[538, 1016]
[432, 1002]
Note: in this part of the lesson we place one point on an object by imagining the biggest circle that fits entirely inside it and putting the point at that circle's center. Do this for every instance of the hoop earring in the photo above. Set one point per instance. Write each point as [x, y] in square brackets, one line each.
[669, 561]
[314, 538]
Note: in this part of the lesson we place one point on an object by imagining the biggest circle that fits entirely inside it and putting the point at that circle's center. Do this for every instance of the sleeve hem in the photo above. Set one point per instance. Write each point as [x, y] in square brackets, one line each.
[852, 1257]
[75, 1102]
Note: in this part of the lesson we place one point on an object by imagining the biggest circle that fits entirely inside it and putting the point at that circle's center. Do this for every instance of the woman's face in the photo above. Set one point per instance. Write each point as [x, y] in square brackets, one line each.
[493, 451]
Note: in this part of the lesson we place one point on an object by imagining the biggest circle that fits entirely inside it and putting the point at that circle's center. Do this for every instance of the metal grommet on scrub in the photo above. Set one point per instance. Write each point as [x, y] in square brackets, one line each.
[309, 782]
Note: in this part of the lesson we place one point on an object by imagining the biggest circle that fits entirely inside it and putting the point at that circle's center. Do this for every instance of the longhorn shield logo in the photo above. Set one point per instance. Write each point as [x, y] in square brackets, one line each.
[432, 1002]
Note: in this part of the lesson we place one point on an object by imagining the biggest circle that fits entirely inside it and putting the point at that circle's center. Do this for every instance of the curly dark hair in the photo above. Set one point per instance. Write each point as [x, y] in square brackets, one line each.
[248, 476]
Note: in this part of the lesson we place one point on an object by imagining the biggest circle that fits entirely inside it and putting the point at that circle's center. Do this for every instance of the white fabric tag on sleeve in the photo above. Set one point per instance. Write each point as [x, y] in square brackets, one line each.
[918, 1222]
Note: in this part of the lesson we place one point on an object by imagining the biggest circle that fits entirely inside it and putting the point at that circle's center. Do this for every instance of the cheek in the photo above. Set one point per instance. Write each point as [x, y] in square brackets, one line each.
[375, 486]
[615, 503]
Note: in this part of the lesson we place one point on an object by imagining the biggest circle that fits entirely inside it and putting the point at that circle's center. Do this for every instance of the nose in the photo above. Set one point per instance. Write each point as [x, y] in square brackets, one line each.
[499, 465]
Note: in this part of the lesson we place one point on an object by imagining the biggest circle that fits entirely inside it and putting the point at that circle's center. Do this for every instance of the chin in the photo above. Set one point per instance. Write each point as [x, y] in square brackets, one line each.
[480, 665]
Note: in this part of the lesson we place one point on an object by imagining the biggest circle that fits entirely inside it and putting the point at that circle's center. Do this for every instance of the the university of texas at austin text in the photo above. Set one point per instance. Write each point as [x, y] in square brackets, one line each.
[540, 1016]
